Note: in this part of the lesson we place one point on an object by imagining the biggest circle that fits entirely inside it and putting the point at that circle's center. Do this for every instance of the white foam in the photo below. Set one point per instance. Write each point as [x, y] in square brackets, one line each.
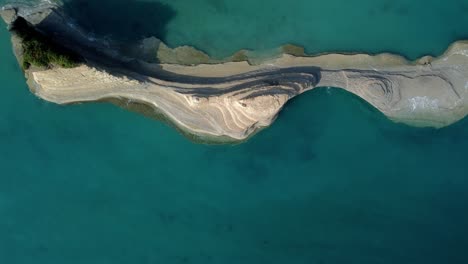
[72, 25]
[461, 52]
[423, 102]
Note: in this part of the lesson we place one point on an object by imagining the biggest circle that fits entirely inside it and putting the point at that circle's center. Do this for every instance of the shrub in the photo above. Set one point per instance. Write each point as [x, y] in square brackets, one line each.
[40, 50]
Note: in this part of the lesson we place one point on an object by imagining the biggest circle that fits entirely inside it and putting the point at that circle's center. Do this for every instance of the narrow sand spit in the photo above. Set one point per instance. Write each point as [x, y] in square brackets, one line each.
[233, 100]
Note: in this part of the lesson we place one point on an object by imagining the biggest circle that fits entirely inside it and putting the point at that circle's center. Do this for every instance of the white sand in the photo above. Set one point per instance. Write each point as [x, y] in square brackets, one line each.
[434, 94]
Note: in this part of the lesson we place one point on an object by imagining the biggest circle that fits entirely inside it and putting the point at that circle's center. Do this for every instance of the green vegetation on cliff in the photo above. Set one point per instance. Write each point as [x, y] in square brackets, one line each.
[39, 50]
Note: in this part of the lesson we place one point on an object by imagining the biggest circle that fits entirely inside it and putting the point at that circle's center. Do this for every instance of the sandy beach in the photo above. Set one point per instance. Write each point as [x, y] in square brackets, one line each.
[233, 100]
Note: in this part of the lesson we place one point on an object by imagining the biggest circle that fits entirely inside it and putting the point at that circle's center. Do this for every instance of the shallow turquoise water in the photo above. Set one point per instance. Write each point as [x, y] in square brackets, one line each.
[412, 28]
[221, 27]
[332, 181]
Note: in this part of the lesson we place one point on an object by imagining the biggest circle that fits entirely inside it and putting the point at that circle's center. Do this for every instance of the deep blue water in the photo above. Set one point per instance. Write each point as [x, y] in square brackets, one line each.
[332, 181]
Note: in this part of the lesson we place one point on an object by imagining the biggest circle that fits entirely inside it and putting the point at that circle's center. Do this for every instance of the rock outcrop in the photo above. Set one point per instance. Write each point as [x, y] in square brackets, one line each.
[226, 101]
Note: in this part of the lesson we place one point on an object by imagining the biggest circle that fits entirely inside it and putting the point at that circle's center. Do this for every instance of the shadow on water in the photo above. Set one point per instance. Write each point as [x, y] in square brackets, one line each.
[124, 20]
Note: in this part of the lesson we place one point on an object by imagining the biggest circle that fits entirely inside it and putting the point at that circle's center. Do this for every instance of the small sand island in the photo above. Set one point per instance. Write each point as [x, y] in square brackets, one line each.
[224, 101]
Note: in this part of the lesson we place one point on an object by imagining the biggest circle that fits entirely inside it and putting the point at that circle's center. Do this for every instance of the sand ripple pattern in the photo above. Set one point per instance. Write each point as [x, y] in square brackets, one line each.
[235, 107]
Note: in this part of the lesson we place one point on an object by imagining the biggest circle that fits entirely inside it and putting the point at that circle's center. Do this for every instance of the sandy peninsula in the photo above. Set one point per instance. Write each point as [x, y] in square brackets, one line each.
[229, 100]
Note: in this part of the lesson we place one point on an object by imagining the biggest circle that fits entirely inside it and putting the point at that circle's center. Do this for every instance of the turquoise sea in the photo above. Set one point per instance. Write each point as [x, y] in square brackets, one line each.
[332, 181]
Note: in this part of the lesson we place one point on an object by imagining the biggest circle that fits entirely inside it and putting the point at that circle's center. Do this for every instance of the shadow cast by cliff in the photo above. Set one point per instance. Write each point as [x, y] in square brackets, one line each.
[123, 20]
